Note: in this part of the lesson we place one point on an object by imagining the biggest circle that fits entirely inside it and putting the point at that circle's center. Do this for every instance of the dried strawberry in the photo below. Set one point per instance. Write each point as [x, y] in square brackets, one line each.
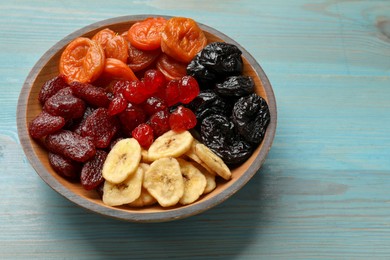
[100, 127]
[65, 105]
[91, 173]
[143, 133]
[64, 166]
[70, 145]
[94, 96]
[182, 119]
[45, 124]
[51, 87]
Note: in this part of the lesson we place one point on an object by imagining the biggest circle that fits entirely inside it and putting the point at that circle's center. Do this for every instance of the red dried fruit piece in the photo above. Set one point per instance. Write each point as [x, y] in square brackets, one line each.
[51, 87]
[64, 166]
[189, 89]
[134, 92]
[91, 173]
[143, 133]
[154, 104]
[70, 145]
[172, 93]
[117, 105]
[76, 125]
[131, 118]
[100, 127]
[94, 96]
[153, 81]
[182, 119]
[159, 123]
[65, 105]
[45, 124]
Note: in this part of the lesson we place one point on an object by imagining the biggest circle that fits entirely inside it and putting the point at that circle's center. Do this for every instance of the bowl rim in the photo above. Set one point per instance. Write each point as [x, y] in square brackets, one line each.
[180, 212]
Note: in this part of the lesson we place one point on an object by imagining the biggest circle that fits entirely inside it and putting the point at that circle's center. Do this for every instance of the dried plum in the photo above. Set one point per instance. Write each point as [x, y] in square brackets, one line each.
[209, 103]
[251, 117]
[217, 133]
[235, 86]
[217, 60]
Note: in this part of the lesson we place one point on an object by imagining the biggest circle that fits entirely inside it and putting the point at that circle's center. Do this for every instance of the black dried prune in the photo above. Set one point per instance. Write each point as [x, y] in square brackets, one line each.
[218, 133]
[208, 103]
[215, 61]
[251, 117]
[235, 86]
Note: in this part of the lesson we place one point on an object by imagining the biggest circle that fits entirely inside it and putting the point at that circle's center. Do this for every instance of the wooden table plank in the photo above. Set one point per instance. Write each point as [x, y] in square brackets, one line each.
[323, 191]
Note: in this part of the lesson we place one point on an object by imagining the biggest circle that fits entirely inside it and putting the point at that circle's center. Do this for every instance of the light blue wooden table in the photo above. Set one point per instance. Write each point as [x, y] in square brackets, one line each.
[324, 190]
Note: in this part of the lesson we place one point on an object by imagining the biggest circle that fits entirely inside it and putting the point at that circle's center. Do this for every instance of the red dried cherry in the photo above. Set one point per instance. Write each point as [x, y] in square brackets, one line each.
[134, 92]
[172, 93]
[153, 80]
[159, 123]
[117, 105]
[154, 104]
[182, 119]
[189, 89]
[143, 133]
[131, 117]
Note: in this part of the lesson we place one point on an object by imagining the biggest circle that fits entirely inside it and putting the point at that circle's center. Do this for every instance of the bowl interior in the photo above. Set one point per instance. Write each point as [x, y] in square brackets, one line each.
[29, 107]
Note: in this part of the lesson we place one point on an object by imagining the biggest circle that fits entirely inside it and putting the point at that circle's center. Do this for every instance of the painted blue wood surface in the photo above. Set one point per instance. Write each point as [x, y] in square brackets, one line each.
[324, 189]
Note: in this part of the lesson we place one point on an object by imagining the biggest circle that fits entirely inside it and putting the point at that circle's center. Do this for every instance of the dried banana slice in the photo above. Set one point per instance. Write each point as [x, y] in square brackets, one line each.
[213, 161]
[145, 199]
[194, 182]
[122, 161]
[125, 192]
[170, 144]
[192, 155]
[164, 181]
[211, 184]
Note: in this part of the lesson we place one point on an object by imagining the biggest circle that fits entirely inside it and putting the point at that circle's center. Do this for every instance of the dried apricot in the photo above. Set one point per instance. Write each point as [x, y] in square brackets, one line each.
[146, 34]
[139, 59]
[182, 39]
[117, 69]
[114, 45]
[82, 60]
[171, 68]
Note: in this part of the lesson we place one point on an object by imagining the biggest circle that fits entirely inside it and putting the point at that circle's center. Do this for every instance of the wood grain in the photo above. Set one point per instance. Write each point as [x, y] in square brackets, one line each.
[323, 190]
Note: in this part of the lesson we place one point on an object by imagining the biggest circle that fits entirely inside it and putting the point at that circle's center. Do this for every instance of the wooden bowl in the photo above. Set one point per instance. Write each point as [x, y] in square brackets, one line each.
[29, 108]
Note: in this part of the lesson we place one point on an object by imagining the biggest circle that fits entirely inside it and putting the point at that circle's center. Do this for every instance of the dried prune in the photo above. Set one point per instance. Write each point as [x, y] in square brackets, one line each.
[65, 105]
[64, 166]
[209, 103]
[217, 133]
[91, 173]
[94, 96]
[45, 124]
[100, 127]
[215, 61]
[70, 145]
[235, 86]
[251, 117]
[51, 87]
